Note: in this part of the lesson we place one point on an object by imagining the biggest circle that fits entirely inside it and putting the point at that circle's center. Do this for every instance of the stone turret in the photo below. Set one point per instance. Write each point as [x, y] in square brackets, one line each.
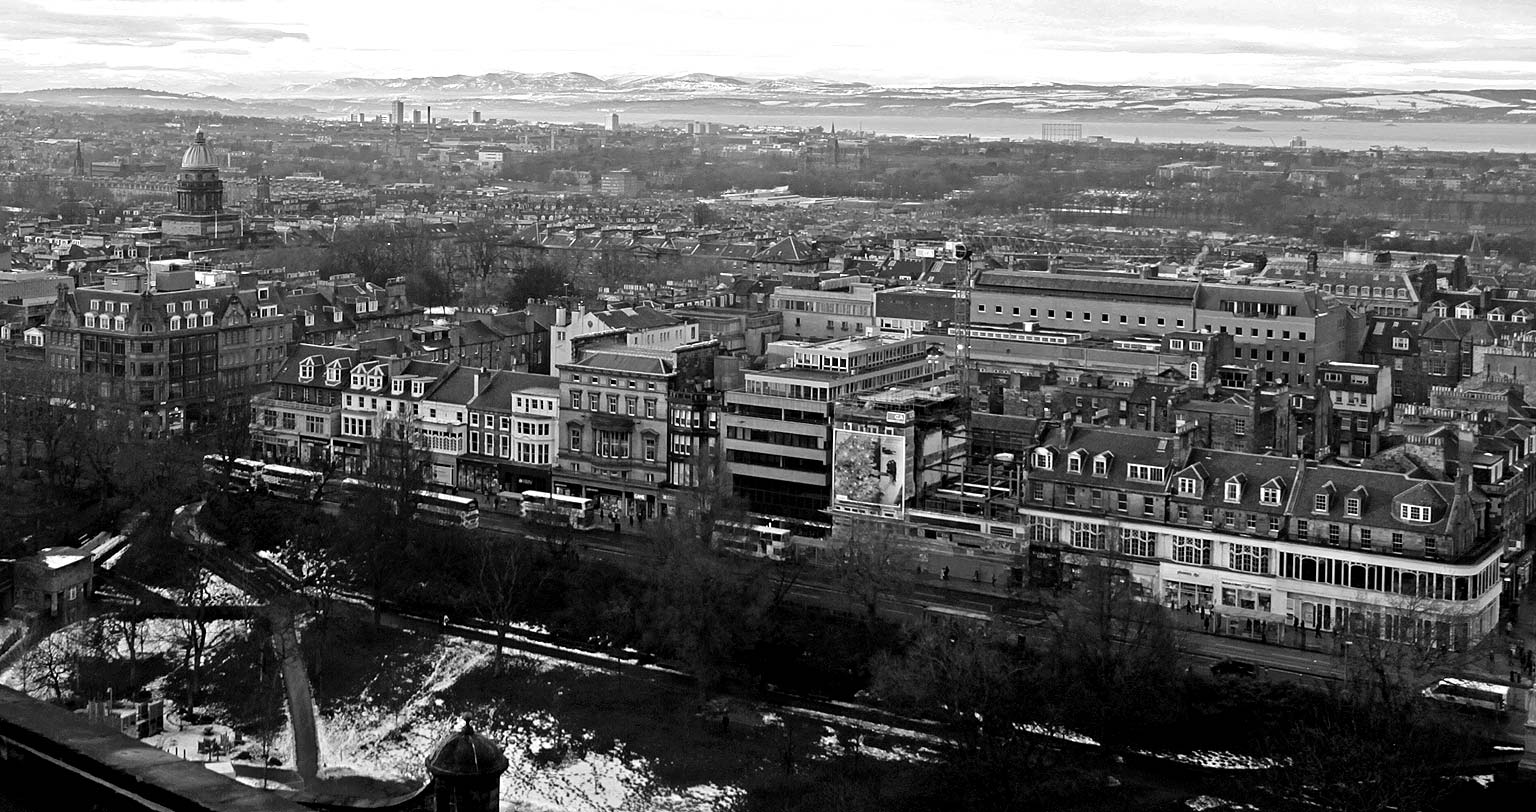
[466, 770]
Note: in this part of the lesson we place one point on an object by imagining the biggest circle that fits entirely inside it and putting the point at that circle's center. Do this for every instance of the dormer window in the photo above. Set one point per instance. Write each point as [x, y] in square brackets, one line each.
[1234, 490]
[1101, 464]
[1464, 311]
[1352, 507]
[375, 382]
[396, 386]
[90, 319]
[1270, 495]
[1145, 473]
[359, 380]
[1322, 501]
[1075, 462]
[1189, 486]
[333, 375]
[207, 319]
[307, 371]
[1417, 514]
[418, 388]
[1042, 458]
[309, 318]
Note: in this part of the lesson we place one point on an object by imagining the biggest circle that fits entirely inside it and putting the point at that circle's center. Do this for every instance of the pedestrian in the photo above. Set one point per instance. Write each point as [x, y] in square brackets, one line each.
[1205, 621]
[616, 528]
[976, 576]
[1188, 608]
[994, 579]
[944, 574]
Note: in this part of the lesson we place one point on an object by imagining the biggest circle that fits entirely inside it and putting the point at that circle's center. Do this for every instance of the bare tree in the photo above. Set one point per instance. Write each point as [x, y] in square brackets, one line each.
[1115, 655]
[504, 575]
[199, 633]
[1389, 654]
[875, 563]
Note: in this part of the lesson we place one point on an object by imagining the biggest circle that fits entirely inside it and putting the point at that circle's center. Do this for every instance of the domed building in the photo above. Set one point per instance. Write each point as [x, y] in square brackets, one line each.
[199, 220]
[465, 768]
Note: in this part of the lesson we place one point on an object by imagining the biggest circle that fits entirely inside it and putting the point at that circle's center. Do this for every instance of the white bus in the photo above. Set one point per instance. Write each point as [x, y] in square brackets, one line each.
[1470, 693]
[447, 510]
[244, 475]
[576, 512]
[291, 483]
[949, 617]
[755, 540]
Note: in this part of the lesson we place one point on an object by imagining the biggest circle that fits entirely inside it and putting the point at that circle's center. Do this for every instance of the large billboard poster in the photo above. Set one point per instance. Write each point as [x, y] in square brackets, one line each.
[868, 469]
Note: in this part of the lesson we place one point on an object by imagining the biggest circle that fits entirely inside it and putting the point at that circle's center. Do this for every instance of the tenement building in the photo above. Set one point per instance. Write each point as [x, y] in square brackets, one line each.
[169, 347]
[614, 430]
[1271, 547]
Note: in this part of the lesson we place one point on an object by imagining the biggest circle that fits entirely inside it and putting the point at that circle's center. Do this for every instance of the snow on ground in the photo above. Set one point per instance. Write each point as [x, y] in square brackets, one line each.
[1244, 103]
[1413, 101]
[834, 744]
[551, 767]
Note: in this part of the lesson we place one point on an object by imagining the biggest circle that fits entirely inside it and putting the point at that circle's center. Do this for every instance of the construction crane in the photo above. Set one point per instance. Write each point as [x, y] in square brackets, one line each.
[962, 320]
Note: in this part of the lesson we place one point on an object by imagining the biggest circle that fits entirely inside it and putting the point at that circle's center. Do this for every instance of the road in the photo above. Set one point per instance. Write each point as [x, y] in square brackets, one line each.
[813, 588]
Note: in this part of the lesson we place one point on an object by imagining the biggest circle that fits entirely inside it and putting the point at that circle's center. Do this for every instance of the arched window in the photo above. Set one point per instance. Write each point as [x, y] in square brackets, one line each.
[175, 322]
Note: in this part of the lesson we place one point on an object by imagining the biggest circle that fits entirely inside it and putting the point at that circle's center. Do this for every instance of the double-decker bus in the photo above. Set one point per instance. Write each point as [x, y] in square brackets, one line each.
[446, 509]
[755, 540]
[428, 507]
[291, 483]
[576, 512]
[244, 475]
[1468, 693]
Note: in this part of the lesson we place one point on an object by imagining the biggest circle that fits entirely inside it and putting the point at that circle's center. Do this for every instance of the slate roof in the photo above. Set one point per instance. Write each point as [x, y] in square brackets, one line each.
[1112, 288]
[505, 384]
[632, 361]
[1125, 446]
[1255, 472]
[323, 356]
[1383, 490]
[1381, 331]
[643, 317]
[790, 250]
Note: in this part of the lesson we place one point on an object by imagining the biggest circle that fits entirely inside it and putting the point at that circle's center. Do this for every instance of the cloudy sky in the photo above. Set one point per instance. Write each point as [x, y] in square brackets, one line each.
[213, 44]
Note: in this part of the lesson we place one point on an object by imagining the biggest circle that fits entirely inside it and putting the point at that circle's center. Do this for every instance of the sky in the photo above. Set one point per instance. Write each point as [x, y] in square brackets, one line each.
[227, 46]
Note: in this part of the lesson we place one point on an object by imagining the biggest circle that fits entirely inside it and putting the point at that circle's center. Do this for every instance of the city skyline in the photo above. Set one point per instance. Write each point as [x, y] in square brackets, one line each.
[228, 46]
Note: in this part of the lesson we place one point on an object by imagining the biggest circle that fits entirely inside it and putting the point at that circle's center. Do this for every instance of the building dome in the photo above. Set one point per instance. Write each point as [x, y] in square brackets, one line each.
[197, 155]
[464, 753]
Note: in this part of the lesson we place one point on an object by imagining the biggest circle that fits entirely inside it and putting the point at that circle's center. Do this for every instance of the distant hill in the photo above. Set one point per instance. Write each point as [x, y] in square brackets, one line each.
[587, 90]
[138, 97]
[706, 93]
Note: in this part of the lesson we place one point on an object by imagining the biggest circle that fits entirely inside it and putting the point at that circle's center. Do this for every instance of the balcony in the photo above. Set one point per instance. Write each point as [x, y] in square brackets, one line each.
[265, 402]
